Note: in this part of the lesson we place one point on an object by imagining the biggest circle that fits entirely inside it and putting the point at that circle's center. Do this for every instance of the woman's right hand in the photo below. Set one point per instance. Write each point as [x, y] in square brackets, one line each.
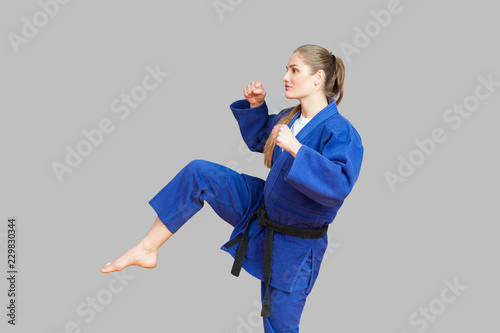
[254, 93]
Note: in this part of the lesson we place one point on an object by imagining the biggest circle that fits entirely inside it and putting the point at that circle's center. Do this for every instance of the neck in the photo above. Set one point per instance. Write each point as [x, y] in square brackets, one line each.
[312, 105]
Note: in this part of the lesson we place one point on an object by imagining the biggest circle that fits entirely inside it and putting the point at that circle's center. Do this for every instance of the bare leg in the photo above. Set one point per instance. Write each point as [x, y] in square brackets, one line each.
[145, 253]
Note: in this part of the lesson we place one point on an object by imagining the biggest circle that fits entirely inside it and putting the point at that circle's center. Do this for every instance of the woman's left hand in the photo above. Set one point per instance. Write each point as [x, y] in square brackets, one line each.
[284, 138]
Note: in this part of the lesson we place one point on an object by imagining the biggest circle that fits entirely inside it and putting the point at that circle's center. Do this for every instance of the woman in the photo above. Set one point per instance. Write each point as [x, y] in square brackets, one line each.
[315, 157]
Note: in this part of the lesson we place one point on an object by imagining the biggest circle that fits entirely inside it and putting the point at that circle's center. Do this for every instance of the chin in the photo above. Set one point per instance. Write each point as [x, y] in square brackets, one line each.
[288, 95]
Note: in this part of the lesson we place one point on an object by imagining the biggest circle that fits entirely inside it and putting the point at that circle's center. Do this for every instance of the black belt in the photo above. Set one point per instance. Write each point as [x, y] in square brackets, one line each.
[272, 226]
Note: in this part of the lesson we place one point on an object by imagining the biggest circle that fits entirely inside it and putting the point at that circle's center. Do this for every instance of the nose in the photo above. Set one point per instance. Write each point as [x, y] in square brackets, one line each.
[285, 78]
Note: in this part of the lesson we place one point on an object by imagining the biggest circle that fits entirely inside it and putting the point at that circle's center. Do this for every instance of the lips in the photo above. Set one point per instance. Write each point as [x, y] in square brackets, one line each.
[287, 87]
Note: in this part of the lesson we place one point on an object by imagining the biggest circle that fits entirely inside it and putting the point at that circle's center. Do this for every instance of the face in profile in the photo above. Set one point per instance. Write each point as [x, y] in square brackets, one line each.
[298, 82]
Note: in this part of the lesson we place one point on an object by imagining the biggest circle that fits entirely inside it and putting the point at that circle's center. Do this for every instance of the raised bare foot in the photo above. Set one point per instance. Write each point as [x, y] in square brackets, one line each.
[138, 255]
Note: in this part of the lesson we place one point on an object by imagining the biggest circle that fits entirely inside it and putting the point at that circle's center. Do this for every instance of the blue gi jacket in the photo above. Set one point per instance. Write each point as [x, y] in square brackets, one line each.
[305, 191]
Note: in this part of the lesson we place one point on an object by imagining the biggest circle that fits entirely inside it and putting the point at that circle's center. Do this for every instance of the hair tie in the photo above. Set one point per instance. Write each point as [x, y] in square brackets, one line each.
[334, 59]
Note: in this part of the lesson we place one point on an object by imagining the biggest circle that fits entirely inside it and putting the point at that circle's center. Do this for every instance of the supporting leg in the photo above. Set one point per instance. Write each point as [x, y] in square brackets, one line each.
[287, 307]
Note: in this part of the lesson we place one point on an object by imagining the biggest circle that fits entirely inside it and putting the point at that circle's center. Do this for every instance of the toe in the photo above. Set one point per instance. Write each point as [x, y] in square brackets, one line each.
[107, 268]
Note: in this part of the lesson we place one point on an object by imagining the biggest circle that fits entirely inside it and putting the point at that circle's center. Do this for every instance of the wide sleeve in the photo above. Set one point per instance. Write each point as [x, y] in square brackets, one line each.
[327, 177]
[255, 123]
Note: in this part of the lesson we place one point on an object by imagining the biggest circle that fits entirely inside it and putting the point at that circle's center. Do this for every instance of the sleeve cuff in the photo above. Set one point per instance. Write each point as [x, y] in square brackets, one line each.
[243, 105]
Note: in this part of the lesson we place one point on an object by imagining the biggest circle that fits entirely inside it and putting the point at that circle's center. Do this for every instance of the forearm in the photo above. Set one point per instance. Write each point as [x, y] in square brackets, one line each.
[254, 122]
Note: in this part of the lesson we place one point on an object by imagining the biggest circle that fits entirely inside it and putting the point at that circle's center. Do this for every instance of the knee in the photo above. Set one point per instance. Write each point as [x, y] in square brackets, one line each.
[197, 165]
[201, 167]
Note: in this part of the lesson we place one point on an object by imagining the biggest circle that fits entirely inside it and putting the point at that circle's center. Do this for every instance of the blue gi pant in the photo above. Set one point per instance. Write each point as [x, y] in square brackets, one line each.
[286, 308]
[231, 197]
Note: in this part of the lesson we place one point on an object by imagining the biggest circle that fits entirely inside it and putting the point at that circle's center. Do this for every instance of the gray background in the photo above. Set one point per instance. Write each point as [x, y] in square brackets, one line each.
[391, 251]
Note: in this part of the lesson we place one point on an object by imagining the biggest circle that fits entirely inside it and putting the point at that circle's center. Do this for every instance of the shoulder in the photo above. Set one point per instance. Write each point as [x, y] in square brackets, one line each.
[341, 129]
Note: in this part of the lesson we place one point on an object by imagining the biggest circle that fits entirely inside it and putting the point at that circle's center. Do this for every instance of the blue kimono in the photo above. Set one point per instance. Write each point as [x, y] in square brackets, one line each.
[305, 192]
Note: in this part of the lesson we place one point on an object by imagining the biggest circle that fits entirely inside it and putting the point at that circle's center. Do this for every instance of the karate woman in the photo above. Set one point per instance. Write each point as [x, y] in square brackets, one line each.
[314, 155]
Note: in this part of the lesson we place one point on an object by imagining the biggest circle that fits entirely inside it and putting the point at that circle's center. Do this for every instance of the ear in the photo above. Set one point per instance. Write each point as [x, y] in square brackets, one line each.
[319, 76]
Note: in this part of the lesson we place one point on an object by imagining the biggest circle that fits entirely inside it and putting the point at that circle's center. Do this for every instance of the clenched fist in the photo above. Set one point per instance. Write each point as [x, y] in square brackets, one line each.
[283, 137]
[254, 93]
